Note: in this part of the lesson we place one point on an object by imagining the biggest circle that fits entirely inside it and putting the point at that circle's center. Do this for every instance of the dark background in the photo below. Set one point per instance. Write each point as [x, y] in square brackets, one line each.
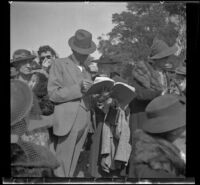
[193, 71]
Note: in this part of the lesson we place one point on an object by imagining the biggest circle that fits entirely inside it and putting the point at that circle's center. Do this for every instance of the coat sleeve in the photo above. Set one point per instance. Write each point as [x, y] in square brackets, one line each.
[56, 91]
[143, 93]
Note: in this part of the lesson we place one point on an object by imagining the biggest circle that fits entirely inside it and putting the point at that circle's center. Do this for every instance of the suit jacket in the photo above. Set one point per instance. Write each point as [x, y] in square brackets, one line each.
[64, 90]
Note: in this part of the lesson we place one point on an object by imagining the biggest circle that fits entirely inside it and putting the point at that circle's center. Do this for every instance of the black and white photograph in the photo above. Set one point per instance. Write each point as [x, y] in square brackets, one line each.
[98, 90]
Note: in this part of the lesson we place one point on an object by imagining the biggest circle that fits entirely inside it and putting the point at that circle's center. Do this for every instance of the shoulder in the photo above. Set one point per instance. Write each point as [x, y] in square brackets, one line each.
[60, 61]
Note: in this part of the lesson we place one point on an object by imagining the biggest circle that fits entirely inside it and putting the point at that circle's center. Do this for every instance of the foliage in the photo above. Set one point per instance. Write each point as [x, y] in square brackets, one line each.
[131, 38]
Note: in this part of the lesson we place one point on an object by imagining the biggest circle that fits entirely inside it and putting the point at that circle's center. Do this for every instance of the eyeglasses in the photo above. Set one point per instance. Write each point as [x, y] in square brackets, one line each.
[48, 57]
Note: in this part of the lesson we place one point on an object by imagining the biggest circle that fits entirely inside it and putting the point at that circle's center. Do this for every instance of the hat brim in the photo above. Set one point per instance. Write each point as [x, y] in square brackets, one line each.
[19, 112]
[81, 50]
[12, 61]
[165, 53]
[180, 72]
[98, 87]
[165, 123]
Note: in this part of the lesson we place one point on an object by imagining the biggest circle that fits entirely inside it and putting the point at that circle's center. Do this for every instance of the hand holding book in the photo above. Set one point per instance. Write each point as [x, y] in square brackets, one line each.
[120, 91]
[85, 85]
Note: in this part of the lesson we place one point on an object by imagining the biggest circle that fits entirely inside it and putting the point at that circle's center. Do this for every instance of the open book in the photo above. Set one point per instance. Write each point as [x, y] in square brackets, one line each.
[120, 91]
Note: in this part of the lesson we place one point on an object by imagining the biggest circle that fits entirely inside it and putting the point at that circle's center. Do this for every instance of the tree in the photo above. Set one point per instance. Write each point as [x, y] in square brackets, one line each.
[135, 29]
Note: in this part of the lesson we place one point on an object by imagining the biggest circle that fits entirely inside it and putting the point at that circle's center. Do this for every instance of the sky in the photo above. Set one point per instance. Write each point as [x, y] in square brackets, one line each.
[34, 24]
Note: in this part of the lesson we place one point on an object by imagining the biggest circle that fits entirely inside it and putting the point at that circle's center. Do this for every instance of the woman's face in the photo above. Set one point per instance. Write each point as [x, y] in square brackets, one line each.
[25, 67]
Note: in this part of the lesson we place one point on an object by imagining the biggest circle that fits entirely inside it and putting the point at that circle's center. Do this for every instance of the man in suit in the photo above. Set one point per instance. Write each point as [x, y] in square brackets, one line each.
[69, 80]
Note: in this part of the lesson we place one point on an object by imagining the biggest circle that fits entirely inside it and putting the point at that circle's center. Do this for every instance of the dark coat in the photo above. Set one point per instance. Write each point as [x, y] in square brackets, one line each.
[40, 90]
[154, 158]
[143, 98]
[94, 161]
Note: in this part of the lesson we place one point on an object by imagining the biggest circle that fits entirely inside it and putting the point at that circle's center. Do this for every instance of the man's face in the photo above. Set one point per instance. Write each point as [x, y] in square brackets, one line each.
[46, 59]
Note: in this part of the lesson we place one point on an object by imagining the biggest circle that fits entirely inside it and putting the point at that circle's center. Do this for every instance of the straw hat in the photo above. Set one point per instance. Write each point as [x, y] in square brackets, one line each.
[21, 100]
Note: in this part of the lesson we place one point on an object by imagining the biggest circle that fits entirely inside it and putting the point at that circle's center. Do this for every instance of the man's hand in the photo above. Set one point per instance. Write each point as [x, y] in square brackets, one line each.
[85, 85]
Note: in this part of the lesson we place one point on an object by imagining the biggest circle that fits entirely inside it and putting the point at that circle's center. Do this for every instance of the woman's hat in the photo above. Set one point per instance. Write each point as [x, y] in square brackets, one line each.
[163, 114]
[21, 55]
[82, 42]
[160, 49]
[181, 70]
[21, 100]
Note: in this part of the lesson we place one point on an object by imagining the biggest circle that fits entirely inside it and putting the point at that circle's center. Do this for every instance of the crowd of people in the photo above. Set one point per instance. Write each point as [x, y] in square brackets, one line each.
[54, 120]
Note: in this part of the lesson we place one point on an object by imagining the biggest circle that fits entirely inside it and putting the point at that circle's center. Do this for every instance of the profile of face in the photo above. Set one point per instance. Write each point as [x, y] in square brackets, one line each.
[46, 59]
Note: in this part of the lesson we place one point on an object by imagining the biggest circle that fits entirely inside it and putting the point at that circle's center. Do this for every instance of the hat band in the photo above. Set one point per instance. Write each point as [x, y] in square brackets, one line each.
[84, 44]
[21, 56]
[172, 110]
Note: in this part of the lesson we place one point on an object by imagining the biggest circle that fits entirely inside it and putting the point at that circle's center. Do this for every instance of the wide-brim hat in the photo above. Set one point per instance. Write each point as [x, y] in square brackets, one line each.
[181, 70]
[164, 113]
[21, 55]
[170, 64]
[160, 49]
[100, 84]
[82, 42]
[21, 100]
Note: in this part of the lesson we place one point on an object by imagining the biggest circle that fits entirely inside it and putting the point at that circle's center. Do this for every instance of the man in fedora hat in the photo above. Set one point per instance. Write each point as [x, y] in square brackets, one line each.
[69, 79]
[155, 150]
[164, 61]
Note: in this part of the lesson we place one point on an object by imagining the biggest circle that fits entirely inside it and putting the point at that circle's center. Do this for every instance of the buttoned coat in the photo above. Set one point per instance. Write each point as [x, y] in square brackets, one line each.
[64, 90]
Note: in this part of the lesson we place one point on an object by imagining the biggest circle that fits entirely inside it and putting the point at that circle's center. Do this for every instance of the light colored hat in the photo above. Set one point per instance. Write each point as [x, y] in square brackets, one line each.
[160, 49]
[100, 83]
[82, 42]
[21, 100]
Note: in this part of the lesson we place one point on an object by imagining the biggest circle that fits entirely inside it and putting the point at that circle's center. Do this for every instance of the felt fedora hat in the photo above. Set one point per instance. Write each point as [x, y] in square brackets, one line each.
[21, 55]
[82, 42]
[163, 114]
[21, 100]
[160, 49]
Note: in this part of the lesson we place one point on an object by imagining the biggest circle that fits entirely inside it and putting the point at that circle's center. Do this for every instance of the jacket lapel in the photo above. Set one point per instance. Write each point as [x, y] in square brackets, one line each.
[72, 70]
[75, 73]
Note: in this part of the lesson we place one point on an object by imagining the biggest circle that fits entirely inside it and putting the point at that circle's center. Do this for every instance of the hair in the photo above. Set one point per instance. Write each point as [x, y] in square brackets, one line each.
[44, 49]
[169, 135]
